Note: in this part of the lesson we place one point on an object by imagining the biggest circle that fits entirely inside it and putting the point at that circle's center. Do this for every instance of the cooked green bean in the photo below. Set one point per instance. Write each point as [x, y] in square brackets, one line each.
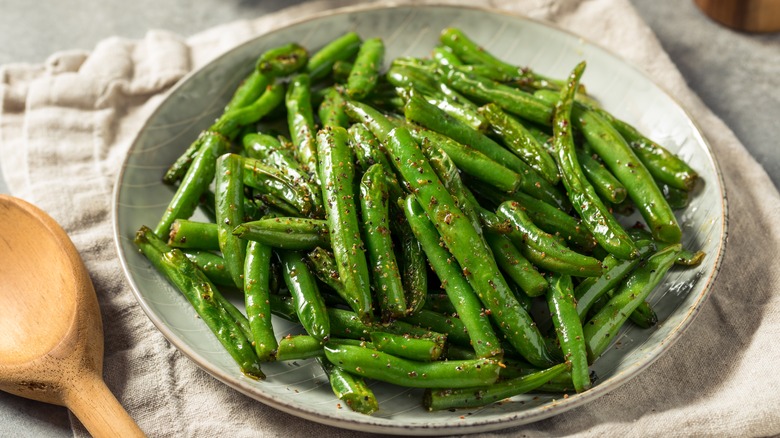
[200, 292]
[568, 328]
[213, 265]
[339, 49]
[521, 142]
[453, 398]
[193, 235]
[197, 179]
[257, 278]
[302, 285]
[606, 185]
[229, 191]
[349, 388]
[377, 365]
[408, 347]
[280, 186]
[517, 267]
[365, 72]
[556, 257]
[337, 167]
[602, 328]
[384, 269]
[286, 232]
[300, 120]
[597, 218]
[283, 60]
[299, 347]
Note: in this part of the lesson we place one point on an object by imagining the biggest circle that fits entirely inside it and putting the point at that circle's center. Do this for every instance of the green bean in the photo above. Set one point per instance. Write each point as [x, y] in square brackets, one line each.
[385, 367]
[482, 337]
[200, 292]
[331, 110]
[543, 215]
[350, 389]
[517, 267]
[511, 99]
[336, 164]
[466, 246]
[280, 187]
[452, 398]
[300, 120]
[283, 60]
[230, 123]
[666, 167]
[602, 328]
[451, 326]
[419, 111]
[299, 347]
[606, 185]
[629, 170]
[341, 70]
[471, 53]
[644, 316]
[197, 179]
[690, 258]
[193, 235]
[384, 269]
[212, 265]
[414, 263]
[286, 232]
[323, 265]
[339, 49]
[590, 289]
[607, 231]
[257, 278]
[365, 73]
[249, 90]
[444, 55]
[302, 285]
[470, 161]
[408, 347]
[411, 74]
[521, 142]
[556, 257]
[568, 328]
[229, 191]
[677, 199]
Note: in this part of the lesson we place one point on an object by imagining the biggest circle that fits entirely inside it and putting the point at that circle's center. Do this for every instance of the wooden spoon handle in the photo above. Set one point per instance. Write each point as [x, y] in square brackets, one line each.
[97, 408]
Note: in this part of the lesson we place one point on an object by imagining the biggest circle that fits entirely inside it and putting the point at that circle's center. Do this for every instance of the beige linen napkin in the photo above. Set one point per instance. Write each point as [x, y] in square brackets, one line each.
[65, 127]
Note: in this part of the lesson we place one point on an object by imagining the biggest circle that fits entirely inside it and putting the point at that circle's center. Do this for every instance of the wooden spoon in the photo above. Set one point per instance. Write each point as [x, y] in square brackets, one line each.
[51, 347]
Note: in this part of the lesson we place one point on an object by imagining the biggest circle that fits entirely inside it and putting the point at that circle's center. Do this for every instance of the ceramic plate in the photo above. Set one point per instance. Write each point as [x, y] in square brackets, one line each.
[301, 388]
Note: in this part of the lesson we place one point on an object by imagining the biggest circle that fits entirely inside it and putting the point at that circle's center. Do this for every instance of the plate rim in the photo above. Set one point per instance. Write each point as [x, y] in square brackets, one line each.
[509, 419]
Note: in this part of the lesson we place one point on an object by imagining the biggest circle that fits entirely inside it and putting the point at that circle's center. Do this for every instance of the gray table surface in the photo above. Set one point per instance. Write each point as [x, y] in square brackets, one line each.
[737, 75]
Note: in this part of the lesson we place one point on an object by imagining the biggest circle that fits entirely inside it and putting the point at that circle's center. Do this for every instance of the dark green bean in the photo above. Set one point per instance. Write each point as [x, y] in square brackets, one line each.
[517, 267]
[257, 278]
[365, 73]
[384, 269]
[331, 110]
[606, 185]
[435, 400]
[339, 49]
[299, 347]
[193, 235]
[408, 347]
[279, 186]
[597, 218]
[520, 141]
[300, 120]
[302, 285]
[461, 294]
[555, 256]
[286, 232]
[337, 166]
[201, 293]
[602, 328]
[350, 389]
[229, 191]
[568, 328]
[377, 365]
[197, 179]
[212, 265]
[283, 60]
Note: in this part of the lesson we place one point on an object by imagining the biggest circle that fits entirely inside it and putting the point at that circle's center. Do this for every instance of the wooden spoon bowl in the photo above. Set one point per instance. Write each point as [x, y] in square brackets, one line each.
[51, 349]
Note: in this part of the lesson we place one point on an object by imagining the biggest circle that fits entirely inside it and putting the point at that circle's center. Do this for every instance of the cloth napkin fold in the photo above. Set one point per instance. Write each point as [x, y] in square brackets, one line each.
[66, 125]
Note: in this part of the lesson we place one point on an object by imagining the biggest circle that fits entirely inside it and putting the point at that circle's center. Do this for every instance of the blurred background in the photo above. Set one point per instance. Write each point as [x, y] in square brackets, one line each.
[736, 74]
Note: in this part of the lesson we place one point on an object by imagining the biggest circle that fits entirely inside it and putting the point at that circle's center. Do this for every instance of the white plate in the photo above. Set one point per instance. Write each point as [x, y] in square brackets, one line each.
[302, 389]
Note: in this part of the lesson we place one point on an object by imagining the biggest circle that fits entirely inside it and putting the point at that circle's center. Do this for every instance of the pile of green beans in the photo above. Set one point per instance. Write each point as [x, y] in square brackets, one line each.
[408, 214]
